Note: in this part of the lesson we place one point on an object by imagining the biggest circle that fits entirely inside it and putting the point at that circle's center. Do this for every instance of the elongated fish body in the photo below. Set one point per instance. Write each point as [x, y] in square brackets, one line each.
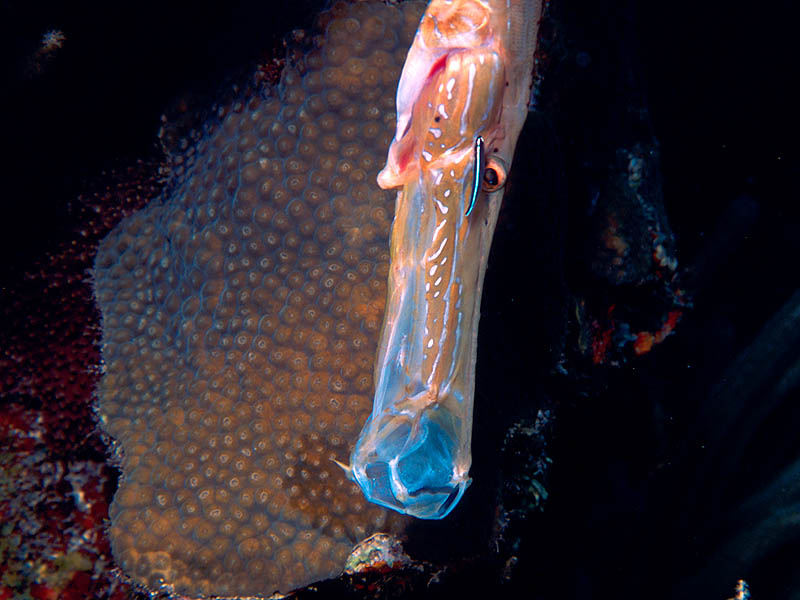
[461, 102]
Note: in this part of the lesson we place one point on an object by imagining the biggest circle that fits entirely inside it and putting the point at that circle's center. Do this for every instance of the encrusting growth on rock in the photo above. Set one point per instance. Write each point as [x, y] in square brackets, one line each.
[241, 312]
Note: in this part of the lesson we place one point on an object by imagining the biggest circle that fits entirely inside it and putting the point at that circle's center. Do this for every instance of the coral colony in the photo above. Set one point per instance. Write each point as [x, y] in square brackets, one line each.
[241, 312]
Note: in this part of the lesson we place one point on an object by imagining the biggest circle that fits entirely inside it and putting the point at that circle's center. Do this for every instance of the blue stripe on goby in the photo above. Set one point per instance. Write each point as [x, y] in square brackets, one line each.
[480, 158]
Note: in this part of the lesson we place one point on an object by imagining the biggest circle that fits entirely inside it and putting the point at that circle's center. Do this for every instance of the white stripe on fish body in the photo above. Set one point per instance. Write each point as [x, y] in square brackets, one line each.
[466, 130]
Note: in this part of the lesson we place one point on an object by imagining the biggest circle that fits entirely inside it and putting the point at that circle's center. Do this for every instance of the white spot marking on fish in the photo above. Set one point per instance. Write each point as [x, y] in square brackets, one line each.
[436, 295]
[438, 280]
[438, 179]
[436, 254]
[437, 133]
[452, 173]
[430, 342]
[441, 206]
[450, 85]
[439, 228]
[444, 260]
[447, 193]
[443, 112]
[432, 271]
[427, 289]
[427, 155]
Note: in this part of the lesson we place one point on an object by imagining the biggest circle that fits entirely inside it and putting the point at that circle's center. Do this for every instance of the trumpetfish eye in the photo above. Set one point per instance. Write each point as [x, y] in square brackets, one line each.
[495, 174]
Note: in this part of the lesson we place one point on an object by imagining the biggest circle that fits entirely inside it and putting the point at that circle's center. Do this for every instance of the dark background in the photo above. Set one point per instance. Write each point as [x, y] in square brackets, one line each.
[641, 498]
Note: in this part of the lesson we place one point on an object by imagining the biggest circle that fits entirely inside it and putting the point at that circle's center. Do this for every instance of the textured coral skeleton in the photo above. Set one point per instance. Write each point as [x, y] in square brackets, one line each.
[240, 319]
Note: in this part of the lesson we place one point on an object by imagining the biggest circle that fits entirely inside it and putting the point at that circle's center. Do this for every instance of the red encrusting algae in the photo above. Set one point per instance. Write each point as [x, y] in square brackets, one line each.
[55, 484]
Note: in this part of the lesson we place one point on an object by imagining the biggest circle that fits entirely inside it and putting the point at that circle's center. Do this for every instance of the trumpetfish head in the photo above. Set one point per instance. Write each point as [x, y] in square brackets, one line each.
[461, 103]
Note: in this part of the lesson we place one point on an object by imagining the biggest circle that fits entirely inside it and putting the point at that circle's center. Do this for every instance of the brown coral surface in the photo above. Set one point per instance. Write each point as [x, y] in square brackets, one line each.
[240, 318]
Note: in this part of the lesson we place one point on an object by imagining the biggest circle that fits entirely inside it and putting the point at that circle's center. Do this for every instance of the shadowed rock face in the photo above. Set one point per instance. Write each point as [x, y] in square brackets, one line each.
[241, 311]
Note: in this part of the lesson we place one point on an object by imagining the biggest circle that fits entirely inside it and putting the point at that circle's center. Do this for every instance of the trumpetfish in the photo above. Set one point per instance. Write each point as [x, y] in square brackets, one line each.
[462, 100]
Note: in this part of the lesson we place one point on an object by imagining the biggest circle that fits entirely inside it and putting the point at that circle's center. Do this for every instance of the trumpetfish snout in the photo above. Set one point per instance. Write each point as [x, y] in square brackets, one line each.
[461, 102]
